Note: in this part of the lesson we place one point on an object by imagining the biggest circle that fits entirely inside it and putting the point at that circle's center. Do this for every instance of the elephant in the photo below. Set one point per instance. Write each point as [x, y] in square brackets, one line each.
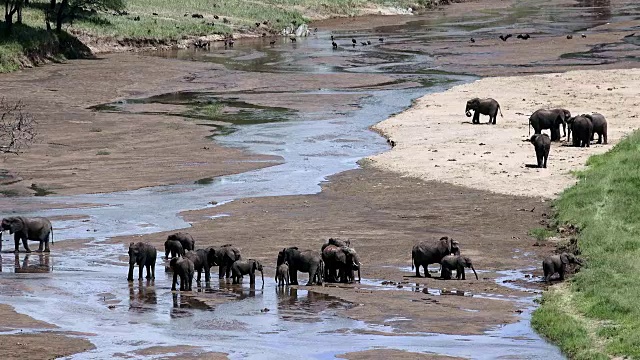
[200, 259]
[542, 144]
[183, 267]
[425, 253]
[143, 255]
[185, 239]
[599, 126]
[550, 119]
[25, 228]
[223, 257]
[174, 247]
[244, 267]
[343, 259]
[282, 274]
[304, 261]
[582, 130]
[457, 263]
[486, 106]
[556, 264]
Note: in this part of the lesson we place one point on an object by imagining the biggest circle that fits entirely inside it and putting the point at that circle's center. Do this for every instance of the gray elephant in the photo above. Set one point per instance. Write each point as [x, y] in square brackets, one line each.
[425, 253]
[200, 259]
[486, 106]
[282, 274]
[457, 263]
[308, 261]
[185, 239]
[223, 257]
[599, 126]
[557, 264]
[143, 255]
[183, 267]
[174, 247]
[342, 259]
[244, 267]
[582, 130]
[25, 228]
[542, 144]
[550, 119]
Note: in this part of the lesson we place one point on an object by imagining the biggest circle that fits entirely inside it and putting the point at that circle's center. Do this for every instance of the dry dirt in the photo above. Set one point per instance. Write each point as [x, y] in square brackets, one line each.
[392, 354]
[435, 141]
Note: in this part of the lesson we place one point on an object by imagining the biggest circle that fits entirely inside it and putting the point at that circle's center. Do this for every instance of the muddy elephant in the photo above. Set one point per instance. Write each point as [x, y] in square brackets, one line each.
[173, 247]
[486, 106]
[143, 255]
[542, 145]
[282, 274]
[246, 267]
[581, 129]
[184, 268]
[185, 239]
[457, 263]
[599, 126]
[223, 257]
[200, 259]
[343, 260]
[557, 264]
[550, 119]
[26, 228]
[308, 261]
[427, 252]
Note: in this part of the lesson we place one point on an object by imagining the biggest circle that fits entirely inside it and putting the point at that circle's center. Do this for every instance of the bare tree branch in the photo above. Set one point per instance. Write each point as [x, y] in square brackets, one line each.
[17, 127]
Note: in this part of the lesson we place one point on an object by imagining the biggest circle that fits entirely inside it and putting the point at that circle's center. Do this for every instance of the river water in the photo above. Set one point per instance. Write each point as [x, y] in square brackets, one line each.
[313, 146]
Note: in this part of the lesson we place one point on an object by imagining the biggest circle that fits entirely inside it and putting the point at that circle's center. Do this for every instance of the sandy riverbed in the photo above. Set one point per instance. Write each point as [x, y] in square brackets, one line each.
[435, 141]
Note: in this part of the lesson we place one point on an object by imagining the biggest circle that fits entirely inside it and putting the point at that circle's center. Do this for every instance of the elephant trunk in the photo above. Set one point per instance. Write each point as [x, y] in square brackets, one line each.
[474, 272]
[262, 275]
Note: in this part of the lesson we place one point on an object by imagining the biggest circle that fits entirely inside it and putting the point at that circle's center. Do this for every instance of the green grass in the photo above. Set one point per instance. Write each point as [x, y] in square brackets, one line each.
[102, 152]
[603, 296]
[541, 234]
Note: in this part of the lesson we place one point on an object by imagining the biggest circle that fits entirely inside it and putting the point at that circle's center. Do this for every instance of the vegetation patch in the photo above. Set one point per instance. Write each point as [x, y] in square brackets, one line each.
[597, 315]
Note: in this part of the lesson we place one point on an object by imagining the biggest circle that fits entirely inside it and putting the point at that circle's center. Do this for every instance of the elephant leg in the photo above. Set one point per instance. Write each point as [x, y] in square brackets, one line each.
[228, 271]
[148, 271]
[545, 157]
[310, 282]
[207, 273]
[25, 243]
[175, 280]
[40, 246]
[426, 270]
[252, 278]
[140, 268]
[476, 117]
[604, 137]
[460, 273]
[199, 275]
[220, 272]
[293, 275]
[46, 245]
[561, 272]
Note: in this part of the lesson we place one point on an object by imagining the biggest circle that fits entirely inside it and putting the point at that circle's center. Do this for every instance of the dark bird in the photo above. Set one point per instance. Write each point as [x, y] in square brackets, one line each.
[272, 42]
[154, 14]
[363, 43]
[292, 39]
[473, 40]
[231, 42]
[520, 36]
[335, 46]
[216, 17]
[584, 36]
[526, 36]
[225, 20]
[197, 16]
[332, 39]
[137, 18]
[265, 22]
[354, 41]
[569, 37]
[505, 37]
[381, 39]
[368, 42]
[257, 24]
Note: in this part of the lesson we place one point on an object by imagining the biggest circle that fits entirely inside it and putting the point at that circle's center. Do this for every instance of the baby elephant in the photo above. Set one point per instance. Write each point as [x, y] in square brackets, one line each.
[244, 267]
[599, 126]
[542, 144]
[184, 268]
[457, 263]
[282, 274]
[556, 264]
[486, 106]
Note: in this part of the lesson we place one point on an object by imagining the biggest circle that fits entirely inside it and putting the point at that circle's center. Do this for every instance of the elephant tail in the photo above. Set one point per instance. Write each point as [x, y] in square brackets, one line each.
[500, 111]
[52, 235]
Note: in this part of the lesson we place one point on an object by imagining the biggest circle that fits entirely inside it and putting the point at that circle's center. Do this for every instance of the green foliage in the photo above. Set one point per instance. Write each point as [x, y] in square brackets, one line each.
[540, 233]
[103, 152]
[605, 204]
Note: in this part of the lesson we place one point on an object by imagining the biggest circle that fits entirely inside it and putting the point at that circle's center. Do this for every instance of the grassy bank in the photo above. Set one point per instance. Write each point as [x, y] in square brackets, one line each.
[597, 314]
[169, 22]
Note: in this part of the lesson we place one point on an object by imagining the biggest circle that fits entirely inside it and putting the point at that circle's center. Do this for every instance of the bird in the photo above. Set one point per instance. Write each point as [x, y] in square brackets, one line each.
[584, 36]
[332, 39]
[569, 37]
[354, 41]
[216, 17]
[505, 37]
[473, 40]
[257, 24]
[272, 42]
[292, 39]
[363, 43]
[381, 39]
[368, 42]
[335, 46]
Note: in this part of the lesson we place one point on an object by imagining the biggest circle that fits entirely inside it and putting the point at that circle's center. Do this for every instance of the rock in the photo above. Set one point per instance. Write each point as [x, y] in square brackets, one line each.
[302, 30]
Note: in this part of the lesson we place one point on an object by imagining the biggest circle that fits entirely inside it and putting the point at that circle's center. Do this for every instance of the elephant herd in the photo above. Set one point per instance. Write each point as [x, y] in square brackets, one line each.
[581, 129]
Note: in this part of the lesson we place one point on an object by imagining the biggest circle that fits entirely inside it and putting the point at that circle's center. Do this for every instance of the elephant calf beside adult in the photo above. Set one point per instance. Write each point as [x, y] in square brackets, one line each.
[246, 267]
[184, 268]
[143, 255]
[25, 228]
[486, 106]
[557, 264]
[342, 259]
[185, 239]
[425, 253]
[581, 130]
[550, 119]
[308, 261]
[223, 256]
[457, 263]
[173, 247]
[542, 145]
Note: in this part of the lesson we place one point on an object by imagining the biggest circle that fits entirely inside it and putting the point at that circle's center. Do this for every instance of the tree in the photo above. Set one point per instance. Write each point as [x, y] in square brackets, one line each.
[62, 11]
[11, 7]
[17, 127]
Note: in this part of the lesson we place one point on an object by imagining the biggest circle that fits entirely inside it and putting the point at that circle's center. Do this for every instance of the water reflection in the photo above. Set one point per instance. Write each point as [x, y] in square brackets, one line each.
[597, 10]
[27, 266]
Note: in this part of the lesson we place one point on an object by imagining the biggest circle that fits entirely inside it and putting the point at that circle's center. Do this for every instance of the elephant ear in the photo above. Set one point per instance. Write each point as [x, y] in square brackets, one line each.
[564, 258]
[254, 265]
[16, 224]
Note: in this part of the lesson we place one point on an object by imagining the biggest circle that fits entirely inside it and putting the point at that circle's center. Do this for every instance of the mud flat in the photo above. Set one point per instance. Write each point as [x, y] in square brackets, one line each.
[435, 141]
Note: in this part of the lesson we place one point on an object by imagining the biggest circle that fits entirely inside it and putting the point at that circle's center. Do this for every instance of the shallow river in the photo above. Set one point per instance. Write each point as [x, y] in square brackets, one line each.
[313, 146]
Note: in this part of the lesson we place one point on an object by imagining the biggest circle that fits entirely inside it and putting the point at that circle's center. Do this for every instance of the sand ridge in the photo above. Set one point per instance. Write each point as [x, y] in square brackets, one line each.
[435, 141]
